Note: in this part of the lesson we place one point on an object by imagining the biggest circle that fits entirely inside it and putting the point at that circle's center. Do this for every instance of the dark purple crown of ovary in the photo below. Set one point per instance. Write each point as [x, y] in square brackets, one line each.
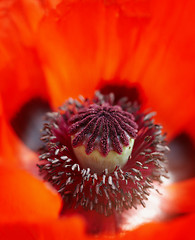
[102, 127]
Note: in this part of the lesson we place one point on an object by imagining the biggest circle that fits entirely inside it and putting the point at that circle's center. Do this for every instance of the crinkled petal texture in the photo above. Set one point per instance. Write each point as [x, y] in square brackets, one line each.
[59, 49]
[63, 47]
[20, 67]
[150, 42]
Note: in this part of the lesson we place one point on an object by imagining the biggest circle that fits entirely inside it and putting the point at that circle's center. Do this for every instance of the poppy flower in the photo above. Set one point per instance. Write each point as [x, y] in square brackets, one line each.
[53, 50]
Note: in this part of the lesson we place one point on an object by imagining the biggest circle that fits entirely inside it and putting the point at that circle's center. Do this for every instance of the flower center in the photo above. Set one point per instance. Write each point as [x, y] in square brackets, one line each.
[102, 136]
[102, 154]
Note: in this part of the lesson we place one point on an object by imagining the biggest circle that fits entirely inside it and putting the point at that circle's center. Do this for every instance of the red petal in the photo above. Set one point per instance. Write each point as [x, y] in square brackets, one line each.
[12, 151]
[90, 41]
[118, 40]
[70, 228]
[190, 128]
[179, 197]
[181, 228]
[20, 68]
[24, 198]
[7, 141]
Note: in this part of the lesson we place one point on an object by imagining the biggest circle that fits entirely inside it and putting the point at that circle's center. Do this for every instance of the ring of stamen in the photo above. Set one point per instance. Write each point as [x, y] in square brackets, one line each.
[105, 193]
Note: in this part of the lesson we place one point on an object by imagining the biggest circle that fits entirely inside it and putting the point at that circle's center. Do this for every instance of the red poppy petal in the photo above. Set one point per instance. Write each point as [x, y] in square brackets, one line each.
[181, 228]
[89, 46]
[20, 68]
[129, 40]
[70, 56]
[24, 198]
[12, 151]
[7, 140]
[69, 228]
[168, 77]
[179, 197]
[190, 128]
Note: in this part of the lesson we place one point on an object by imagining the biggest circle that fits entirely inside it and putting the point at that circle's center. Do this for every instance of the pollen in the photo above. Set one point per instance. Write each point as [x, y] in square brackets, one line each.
[102, 136]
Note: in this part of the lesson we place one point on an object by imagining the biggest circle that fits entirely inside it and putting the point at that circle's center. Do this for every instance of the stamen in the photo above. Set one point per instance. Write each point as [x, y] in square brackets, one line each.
[103, 127]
